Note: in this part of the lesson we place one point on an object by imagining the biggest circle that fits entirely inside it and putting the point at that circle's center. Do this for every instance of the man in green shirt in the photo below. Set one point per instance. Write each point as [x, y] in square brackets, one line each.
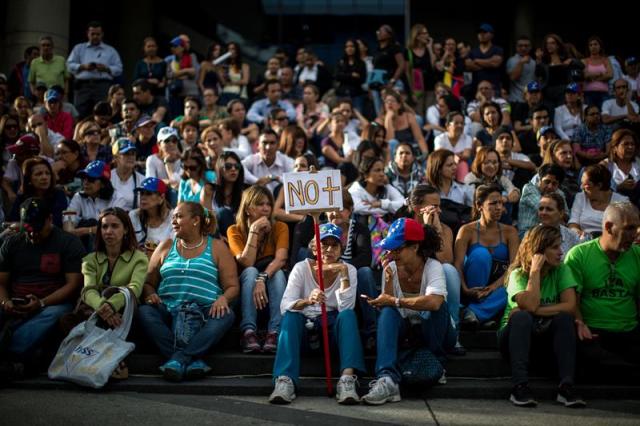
[607, 271]
[48, 68]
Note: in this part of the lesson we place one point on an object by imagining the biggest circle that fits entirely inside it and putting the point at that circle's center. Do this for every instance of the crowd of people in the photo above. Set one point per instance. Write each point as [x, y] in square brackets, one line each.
[479, 191]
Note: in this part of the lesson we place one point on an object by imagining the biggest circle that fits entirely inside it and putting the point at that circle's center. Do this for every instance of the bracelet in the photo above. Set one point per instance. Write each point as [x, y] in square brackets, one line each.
[398, 302]
[263, 276]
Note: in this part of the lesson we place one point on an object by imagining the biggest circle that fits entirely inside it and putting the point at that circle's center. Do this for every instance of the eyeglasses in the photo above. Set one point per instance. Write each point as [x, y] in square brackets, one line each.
[92, 133]
[191, 168]
[231, 166]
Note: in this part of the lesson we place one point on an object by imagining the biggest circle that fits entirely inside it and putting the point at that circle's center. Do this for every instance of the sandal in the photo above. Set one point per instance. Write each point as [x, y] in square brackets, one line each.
[121, 372]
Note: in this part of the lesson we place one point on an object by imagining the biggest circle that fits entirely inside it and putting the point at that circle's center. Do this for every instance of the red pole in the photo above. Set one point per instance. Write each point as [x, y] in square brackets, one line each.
[325, 326]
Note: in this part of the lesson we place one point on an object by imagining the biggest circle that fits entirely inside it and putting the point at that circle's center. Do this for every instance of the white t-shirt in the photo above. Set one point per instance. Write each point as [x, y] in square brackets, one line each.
[240, 146]
[125, 190]
[564, 123]
[442, 142]
[302, 282]
[156, 168]
[611, 107]
[155, 235]
[433, 282]
[589, 219]
[88, 208]
[518, 156]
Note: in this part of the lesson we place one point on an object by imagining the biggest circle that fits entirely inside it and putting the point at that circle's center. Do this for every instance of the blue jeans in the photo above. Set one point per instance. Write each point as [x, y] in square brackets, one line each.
[454, 287]
[477, 271]
[275, 289]
[437, 334]
[342, 327]
[157, 322]
[367, 285]
[29, 333]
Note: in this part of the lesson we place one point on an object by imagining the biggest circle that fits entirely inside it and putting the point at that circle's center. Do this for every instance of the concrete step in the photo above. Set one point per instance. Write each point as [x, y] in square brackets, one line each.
[463, 388]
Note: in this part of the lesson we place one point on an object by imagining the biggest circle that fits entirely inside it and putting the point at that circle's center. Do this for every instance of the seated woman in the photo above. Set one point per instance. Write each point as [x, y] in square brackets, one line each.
[232, 139]
[97, 194]
[441, 174]
[238, 112]
[551, 177]
[301, 317]
[552, 212]
[483, 250]
[540, 309]
[372, 196]
[193, 178]
[166, 164]
[311, 112]
[39, 181]
[622, 162]
[125, 178]
[491, 119]
[211, 145]
[69, 161]
[589, 205]
[88, 135]
[404, 172]
[293, 142]
[591, 137]
[414, 292]
[260, 245]
[561, 153]
[333, 146]
[190, 285]
[152, 220]
[401, 124]
[115, 263]
[456, 141]
[486, 169]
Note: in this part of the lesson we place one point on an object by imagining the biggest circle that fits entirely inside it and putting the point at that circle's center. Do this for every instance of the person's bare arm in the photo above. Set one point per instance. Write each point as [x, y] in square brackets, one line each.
[417, 133]
[227, 270]
[280, 213]
[567, 304]
[153, 277]
[66, 293]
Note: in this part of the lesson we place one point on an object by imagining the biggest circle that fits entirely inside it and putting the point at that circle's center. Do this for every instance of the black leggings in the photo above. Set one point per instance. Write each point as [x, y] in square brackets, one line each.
[515, 341]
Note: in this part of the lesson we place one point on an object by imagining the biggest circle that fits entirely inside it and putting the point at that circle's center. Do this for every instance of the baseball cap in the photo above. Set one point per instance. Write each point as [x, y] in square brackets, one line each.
[52, 95]
[485, 28]
[95, 170]
[533, 86]
[572, 88]
[329, 230]
[33, 214]
[177, 41]
[166, 133]
[122, 146]
[28, 143]
[544, 130]
[152, 184]
[402, 231]
[144, 120]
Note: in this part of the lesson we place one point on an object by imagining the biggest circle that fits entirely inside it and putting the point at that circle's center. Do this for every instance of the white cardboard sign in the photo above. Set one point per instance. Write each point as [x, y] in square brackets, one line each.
[312, 192]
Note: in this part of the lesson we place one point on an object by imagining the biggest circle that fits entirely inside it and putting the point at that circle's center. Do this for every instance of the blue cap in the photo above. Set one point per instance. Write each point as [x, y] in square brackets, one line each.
[402, 231]
[95, 170]
[167, 133]
[533, 86]
[152, 184]
[328, 230]
[572, 88]
[52, 95]
[122, 146]
[485, 28]
[177, 41]
[544, 130]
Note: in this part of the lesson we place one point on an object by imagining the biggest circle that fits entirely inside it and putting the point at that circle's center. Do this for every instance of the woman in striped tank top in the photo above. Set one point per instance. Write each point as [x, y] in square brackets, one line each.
[190, 285]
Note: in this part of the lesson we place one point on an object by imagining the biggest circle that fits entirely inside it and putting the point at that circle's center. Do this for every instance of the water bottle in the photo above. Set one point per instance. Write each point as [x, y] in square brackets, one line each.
[312, 331]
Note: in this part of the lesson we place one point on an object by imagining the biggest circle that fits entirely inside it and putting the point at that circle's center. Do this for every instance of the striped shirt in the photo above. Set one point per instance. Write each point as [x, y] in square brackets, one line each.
[189, 280]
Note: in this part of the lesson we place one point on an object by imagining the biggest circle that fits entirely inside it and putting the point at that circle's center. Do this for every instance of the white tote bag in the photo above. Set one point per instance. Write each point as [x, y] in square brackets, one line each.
[89, 354]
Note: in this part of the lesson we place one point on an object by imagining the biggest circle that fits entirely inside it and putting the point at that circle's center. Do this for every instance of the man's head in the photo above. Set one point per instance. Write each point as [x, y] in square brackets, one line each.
[620, 224]
[485, 33]
[551, 177]
[278, 119]
[52, 101]
[621, 89]
[286, 75]
[35, 219]
[523, 46]
[539, 117]
[191, 108]
[130, 111]
[30, 53]
[142, 92]
[533, 93]
[485, 88]
[35, 121]
[273, 90]
[46, 46]
[268, 146]
[94, 33]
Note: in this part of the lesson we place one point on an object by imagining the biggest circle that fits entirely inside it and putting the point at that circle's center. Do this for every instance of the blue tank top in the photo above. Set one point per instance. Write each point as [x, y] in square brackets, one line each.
[498, 252]
[189, 280]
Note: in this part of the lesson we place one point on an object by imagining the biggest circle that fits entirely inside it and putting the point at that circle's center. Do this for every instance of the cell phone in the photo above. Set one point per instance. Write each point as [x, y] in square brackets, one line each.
[19, 301]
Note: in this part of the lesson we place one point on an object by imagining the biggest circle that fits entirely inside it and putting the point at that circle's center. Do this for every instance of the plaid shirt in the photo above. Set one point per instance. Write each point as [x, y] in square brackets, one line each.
[405, 186]
[528, 209]
[592, 140]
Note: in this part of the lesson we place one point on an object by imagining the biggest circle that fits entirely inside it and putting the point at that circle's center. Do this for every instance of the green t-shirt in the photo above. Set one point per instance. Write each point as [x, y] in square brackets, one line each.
[608, 291]
[555, 282]
[51, 73]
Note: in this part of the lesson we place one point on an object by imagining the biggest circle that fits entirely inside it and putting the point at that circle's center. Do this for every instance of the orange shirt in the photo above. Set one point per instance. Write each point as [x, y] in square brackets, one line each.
[279, 238]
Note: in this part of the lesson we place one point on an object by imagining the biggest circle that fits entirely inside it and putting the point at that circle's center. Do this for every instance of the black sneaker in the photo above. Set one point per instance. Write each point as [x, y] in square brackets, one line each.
[522, 396]
[568, 397]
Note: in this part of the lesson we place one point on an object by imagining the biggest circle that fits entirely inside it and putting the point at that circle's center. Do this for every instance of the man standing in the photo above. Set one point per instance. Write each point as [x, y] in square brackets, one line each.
[39, 281]
[94, 65]
[267, 166]
[607, 271]
[485, 60]
[521, 68]
[48, 68]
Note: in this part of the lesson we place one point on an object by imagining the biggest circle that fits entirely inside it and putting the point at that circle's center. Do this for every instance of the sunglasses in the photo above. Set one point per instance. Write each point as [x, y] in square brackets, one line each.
[92, 133]
[231, 166]
[191, 168]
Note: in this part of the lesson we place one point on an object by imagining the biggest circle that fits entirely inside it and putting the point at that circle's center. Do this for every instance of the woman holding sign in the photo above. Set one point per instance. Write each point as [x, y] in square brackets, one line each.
[260, 244]
[300, 308]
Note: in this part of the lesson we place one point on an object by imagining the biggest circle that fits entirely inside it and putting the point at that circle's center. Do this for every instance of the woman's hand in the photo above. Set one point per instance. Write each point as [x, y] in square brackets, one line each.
[583, 331]
[537, 262]
[382, 300]
[219, 308]
[431, 216]
[316, 296]
[262, 225]
[108, 315]
[114, 320]
[260, 298]
[472, 293]
[153, 299]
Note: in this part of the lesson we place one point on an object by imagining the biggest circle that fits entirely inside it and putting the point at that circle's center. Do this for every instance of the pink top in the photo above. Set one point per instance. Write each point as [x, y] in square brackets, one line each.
[595, 86]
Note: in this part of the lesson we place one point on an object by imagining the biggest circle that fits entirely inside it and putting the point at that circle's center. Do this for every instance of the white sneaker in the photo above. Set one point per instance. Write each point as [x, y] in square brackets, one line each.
[443, 379]
[382, 390]
[283, 392]
[346, 393]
